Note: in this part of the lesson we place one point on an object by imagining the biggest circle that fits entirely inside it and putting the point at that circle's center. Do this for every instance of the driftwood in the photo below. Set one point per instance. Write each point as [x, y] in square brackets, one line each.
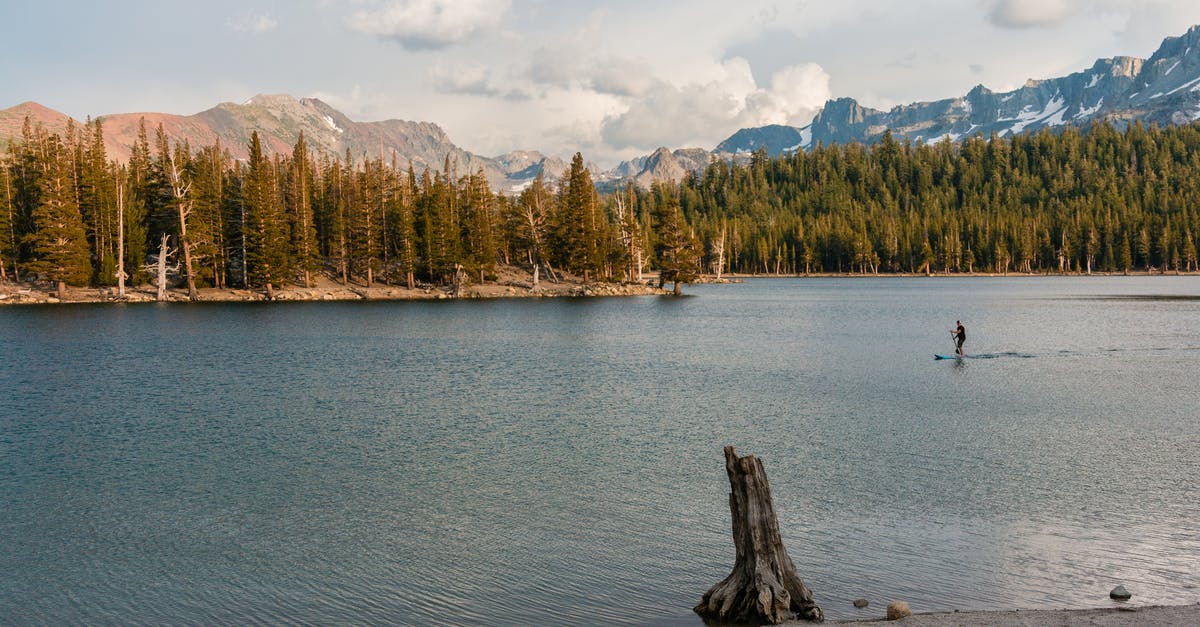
[764, 586]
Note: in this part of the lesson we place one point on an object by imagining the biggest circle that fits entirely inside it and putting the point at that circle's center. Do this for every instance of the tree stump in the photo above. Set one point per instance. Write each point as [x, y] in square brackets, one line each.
[764, 586]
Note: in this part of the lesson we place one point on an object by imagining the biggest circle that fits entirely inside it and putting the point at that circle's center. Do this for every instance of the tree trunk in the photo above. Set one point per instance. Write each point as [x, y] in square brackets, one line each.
[120, 240]
[162, 269]
[186, 247]
[764, 586]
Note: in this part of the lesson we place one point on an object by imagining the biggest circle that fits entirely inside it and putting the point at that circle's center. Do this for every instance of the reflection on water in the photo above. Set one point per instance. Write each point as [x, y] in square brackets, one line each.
[559, 461]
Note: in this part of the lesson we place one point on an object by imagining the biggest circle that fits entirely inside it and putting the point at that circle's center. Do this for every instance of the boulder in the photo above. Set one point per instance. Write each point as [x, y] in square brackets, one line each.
[860, 603]
[897, 610]
[1120, 593]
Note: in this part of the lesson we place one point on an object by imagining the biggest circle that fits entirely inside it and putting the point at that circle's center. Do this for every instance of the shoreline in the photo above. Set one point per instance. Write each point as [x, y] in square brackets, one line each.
[1147, 615]
[20, 295]
[730, 277]
[512, 283]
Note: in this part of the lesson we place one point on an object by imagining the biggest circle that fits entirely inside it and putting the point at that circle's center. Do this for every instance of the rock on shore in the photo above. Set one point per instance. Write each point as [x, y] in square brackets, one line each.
[1148, 616]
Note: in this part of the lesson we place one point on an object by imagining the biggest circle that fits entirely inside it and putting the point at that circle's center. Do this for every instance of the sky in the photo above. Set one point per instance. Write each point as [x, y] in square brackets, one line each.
[613, 80]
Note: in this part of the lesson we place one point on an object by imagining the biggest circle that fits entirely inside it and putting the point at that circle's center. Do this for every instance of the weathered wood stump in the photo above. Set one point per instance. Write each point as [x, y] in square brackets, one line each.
[764, 586]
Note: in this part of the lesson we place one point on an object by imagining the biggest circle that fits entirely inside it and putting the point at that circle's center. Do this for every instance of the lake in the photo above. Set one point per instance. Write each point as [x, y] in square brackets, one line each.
[559, 461]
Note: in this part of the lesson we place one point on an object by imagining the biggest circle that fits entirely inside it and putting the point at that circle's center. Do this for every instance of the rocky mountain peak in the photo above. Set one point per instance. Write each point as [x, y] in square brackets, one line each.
[1164, 89]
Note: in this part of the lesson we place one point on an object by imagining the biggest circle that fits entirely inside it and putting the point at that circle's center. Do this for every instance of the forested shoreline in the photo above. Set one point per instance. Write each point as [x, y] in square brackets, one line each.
[1076, 201]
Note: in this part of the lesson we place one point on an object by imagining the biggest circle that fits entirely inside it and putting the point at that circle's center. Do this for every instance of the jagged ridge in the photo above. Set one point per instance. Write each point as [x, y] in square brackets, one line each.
[1164, 89]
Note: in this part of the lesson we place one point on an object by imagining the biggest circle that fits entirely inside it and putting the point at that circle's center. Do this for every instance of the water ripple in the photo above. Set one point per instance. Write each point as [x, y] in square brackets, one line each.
[559, 462]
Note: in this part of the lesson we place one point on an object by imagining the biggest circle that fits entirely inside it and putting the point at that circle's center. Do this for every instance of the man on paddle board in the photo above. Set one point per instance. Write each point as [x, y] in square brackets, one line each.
[960, 336]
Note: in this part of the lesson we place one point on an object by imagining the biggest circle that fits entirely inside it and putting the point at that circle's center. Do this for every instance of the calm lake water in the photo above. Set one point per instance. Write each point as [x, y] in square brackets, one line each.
[559, 461]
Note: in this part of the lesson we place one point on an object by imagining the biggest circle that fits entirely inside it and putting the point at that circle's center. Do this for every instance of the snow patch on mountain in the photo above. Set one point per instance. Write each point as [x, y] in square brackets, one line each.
[933, 141]
[1184, 86]
[805, 141]
[1090, 111]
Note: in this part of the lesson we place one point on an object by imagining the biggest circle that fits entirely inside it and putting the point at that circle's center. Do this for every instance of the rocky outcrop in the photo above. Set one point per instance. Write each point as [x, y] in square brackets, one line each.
[776, 139]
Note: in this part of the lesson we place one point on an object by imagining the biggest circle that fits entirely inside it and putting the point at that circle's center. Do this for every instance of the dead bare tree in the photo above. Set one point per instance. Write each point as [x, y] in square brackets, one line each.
[460, 277]
[534, 216]
[718, 251]
[630, 236]
[764, 586]
[121, 276]
[160, 266]
[183, 204]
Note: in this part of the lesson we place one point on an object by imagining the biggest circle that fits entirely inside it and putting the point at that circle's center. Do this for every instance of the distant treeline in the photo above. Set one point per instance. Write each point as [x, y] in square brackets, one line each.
[1072, 201]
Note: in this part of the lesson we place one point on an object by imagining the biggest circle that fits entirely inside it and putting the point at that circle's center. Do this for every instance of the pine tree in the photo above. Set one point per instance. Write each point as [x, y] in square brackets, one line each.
[576, 227]
[139, 190]
[265, 228]
[300, 212]
[441, 231]
[364, 202]
[98, 203]
[208, 217]
[479, 226]
[405, 236]
[676, 248]
[58, 242]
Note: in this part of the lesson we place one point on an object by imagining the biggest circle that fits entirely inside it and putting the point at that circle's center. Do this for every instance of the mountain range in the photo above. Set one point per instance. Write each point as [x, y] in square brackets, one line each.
[1164, 89]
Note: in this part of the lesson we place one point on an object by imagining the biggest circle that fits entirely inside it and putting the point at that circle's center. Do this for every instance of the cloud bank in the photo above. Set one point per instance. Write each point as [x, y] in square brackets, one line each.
[429, 24]
[252, 23]
[703, 114]
[1031, 13]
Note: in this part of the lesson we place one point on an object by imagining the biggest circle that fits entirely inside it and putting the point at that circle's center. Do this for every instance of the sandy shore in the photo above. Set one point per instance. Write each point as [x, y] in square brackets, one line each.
[512, 283]
[1147, 616]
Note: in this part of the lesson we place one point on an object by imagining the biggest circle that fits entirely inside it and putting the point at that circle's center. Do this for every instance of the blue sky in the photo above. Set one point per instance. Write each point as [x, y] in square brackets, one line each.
[611, 79]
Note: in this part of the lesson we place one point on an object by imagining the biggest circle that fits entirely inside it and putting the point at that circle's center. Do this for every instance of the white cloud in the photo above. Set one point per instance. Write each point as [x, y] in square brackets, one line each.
[362, 105]
[567, 67]
[472, 80]
[429, 24]
[555, 67]
[795, 96]
[253, 23]
[1031, 13]
[621, 77]
[703, 114]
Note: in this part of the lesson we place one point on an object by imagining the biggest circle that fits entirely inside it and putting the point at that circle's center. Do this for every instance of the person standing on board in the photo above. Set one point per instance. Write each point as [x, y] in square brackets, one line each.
[960, 336]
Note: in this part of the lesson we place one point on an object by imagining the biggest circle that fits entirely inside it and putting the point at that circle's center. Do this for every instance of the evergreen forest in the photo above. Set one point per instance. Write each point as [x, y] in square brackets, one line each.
[1074, 201]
